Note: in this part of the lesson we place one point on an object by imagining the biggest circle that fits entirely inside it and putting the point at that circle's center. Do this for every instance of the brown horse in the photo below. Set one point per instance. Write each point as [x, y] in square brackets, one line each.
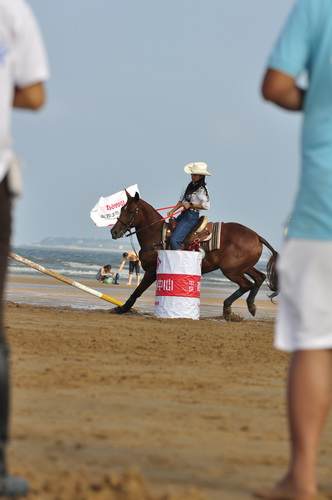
[240, 249]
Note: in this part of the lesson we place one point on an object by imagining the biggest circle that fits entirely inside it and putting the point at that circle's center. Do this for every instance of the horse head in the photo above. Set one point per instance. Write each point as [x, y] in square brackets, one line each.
[126, 219]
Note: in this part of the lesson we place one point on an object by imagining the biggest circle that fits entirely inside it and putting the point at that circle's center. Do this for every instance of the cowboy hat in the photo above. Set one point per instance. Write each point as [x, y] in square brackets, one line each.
[198, 168]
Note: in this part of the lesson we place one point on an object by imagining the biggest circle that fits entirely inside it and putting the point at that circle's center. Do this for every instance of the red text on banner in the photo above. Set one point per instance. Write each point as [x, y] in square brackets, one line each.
[178, 285]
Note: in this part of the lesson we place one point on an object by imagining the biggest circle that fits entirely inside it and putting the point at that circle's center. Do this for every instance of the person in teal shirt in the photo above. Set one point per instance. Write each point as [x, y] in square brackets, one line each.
[305, 47]
[304, 322]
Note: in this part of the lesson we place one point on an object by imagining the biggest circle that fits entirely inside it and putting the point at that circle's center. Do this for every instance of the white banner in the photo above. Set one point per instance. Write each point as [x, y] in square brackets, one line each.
[107, 210]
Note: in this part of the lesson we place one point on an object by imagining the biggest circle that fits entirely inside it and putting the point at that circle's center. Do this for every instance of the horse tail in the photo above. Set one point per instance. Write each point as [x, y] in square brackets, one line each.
[271, 271]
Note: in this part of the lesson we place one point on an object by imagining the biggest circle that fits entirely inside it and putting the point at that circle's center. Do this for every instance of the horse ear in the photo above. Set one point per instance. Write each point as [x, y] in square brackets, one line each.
[128, 195]
[136, 196]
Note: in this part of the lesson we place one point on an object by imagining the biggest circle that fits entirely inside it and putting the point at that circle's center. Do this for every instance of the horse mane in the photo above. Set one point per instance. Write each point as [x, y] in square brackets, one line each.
[148, 209]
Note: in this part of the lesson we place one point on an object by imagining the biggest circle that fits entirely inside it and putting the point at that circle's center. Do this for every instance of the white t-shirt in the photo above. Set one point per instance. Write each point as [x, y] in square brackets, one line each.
[23, 62]
[199, 197]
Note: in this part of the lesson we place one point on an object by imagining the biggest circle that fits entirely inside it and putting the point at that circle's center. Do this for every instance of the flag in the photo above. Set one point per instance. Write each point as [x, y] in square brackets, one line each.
[107, 210]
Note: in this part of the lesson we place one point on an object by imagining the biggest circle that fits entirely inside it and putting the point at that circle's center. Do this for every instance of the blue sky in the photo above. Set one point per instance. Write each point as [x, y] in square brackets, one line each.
[140, 88]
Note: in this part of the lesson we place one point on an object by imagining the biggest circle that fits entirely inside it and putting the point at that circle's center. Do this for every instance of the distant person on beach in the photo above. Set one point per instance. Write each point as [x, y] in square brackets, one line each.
[304, 323]
[106, 275]
[23, 69]
[194, 199]
[134, 265]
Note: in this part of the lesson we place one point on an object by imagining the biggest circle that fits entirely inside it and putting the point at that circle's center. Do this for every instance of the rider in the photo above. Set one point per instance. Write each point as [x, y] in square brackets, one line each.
[194, 199]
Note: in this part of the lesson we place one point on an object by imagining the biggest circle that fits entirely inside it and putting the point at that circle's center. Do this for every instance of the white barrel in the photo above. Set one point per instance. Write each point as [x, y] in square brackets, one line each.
[178, 284]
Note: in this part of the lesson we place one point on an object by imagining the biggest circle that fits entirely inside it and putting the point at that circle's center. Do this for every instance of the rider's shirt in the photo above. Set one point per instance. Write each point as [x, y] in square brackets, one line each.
[198, 197]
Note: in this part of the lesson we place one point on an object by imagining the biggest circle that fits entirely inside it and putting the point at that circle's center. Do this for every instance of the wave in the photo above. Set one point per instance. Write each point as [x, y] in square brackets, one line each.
[83, 264]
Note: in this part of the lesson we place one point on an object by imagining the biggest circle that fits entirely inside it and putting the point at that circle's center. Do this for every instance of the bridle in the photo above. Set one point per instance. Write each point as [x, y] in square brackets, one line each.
[128, 225]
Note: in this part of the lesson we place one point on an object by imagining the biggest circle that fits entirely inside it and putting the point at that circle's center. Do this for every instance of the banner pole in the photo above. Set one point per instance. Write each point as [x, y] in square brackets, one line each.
[60, 277]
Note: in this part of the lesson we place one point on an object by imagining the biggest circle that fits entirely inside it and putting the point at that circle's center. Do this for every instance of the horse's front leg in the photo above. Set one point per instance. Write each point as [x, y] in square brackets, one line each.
[148, 279]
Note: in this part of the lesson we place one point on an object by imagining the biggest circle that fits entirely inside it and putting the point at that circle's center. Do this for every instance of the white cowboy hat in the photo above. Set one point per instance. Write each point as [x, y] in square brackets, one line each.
[198, 168]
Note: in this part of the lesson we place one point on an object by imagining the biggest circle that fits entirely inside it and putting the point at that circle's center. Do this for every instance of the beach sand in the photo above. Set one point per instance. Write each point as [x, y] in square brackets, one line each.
[134, 407]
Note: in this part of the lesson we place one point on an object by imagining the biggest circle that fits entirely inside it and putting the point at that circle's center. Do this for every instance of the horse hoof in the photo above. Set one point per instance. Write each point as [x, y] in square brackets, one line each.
[252, 310]
[227, 311]
[117, 310]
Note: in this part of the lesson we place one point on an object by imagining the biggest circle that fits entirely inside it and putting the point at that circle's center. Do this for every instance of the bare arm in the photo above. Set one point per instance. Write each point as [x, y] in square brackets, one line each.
[106, 273]
[121, 266]
[31, 97]
[281, 89]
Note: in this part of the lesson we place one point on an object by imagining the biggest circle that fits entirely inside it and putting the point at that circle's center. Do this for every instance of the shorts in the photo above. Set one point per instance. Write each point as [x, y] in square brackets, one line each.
[304, 320]
[133, 265]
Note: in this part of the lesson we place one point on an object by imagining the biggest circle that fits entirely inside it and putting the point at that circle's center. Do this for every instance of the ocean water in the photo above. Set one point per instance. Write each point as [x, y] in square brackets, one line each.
[79, 264]
[73, 263]
[82, 265]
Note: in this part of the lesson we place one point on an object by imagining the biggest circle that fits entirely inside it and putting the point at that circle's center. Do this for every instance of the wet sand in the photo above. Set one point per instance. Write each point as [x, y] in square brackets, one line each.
[135, 407]
[44, 290]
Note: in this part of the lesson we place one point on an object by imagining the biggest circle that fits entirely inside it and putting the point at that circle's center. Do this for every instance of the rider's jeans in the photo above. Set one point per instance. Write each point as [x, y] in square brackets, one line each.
[186, 221]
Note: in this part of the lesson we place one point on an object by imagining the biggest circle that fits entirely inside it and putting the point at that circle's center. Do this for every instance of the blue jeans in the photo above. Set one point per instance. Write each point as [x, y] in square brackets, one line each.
[186, 221]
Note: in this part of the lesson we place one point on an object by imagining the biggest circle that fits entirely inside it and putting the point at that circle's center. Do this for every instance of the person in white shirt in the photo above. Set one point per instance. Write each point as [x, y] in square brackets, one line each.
[195, 198]
[23, 69]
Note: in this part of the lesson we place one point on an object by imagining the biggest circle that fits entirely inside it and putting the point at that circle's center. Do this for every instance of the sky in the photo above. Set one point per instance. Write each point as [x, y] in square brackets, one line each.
[140, 88]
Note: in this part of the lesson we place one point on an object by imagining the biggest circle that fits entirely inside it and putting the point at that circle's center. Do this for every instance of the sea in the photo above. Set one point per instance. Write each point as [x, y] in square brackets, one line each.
[81, 265]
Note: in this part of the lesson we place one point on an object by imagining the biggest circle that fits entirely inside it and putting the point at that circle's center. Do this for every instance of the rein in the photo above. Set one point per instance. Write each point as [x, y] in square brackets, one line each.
[129, 225]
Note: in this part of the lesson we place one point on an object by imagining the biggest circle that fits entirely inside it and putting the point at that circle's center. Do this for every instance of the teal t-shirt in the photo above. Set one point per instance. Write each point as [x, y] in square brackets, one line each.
[305, 45]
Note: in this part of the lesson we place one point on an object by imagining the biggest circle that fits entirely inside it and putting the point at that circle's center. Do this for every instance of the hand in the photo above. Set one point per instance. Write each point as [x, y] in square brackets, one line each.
[186, 205]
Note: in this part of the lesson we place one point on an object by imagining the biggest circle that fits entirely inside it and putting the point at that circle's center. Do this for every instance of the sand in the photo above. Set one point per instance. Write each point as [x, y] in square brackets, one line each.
[135, 407]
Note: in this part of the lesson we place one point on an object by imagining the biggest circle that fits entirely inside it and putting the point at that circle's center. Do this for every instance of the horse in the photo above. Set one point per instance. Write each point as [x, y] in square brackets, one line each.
[240, 249]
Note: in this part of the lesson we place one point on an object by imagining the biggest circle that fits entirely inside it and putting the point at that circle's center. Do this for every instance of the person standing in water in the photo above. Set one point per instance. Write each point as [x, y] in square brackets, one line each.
[134, 265]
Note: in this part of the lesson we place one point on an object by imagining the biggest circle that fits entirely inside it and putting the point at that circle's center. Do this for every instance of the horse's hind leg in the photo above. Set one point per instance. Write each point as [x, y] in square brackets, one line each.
[258, 278]
[227, 307]
[244, 286]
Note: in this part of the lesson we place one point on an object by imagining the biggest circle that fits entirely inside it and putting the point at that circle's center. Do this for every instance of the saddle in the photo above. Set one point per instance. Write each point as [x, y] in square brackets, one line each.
[201, 233]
